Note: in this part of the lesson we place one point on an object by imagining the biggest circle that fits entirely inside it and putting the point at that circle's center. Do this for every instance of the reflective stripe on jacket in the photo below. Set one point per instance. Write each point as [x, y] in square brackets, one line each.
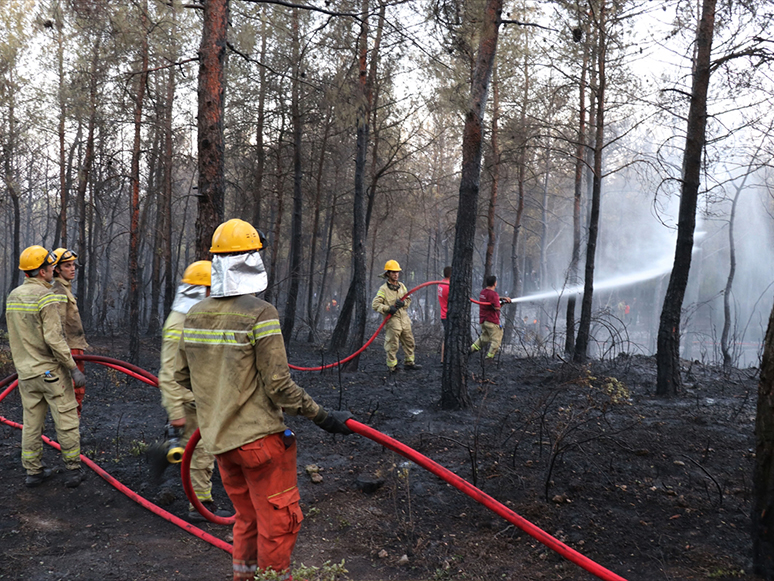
[35, 329]
[232, 357]
[385, 298]
[173, 395]
[71, 317]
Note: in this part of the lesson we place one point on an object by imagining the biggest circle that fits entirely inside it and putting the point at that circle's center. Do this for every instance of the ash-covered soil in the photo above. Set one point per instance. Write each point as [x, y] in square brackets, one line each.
[649, 488]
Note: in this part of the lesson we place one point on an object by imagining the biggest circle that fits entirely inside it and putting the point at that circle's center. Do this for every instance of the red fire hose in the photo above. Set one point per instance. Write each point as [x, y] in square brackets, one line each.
[150, 379]
[376, 333]
[355, 426]
[483, 498]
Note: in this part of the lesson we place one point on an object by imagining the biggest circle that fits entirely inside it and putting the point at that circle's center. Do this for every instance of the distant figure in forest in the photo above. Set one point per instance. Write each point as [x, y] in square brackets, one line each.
[46, 369]
[389, 301]
[232, 356]
[489, 317]
[178, 401]
[443, 301]
[64, 275]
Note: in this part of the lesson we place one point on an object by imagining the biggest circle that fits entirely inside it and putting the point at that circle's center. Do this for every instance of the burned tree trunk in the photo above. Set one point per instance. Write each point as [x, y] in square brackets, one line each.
[454, 382]
[295, 231]
[584, 325]
[490, 218]
[212, 88]
[668, 381]
[134, 230]
[763, 476]
[580, 153]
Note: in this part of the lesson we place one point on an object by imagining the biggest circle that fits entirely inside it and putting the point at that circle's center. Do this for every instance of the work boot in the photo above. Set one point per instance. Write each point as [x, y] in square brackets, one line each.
[412, 366]
[195, 516]
[392, 369]
[34, 480]
[75, 477]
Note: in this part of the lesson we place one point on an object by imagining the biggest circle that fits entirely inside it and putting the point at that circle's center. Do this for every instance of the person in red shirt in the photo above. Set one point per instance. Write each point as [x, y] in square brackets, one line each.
[489, 317]
[443, 300]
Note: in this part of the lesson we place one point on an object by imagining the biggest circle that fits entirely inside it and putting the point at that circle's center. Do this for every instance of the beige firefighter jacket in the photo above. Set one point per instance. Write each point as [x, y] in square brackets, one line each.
[385, 298]
[35, 329]
[232, 357]
[173, 395]
[71, 317]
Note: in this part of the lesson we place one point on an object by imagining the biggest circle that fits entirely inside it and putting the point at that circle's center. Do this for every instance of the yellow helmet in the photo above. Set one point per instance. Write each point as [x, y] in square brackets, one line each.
[392, 265]
[198, 273]
[33, 257]
[235, 236]
[64, 255]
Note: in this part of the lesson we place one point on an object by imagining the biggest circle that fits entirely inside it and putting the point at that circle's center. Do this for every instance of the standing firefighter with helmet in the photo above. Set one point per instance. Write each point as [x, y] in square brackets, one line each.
[64, 274]
[45, 366]
[179, 402]
[232, 356]
[388, 301]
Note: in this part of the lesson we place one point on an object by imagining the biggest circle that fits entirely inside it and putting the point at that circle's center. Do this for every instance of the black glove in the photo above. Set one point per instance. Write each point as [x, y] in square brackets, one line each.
[393, 309]
[400, 303]
[79, 379]
[333, 422]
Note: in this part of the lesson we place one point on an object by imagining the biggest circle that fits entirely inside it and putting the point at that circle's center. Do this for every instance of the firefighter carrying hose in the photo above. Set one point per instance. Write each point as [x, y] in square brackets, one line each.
[45, 366]
[64, 274]
[179, 402]
[232, 356]
[398, 329]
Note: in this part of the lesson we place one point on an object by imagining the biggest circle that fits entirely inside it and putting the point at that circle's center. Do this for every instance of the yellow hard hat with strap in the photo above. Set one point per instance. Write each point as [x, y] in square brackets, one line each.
[235, 235]
[392, 265]
[34, 257]
[198, 273]
[64, 255]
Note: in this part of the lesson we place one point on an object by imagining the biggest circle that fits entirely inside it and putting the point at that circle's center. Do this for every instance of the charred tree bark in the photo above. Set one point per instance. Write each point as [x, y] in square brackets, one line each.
[763, 475]
[516, 284]
[289, 320]
[134, 231]
[725, 348]
[454, 383]
[166, 192]
[668, 380]
[355, 302]
[580, 152]
[310, 312]
[84, 176]
[61, 229]
[584, 326]
[260, 153]
[490, 218]
[272, 292]
[212, 88]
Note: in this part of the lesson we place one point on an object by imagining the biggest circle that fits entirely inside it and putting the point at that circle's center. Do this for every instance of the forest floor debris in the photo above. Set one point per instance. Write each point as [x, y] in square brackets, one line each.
[649, 488]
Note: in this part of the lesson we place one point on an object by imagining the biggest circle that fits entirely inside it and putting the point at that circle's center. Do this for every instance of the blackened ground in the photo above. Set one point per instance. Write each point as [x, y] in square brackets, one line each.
[651, 489]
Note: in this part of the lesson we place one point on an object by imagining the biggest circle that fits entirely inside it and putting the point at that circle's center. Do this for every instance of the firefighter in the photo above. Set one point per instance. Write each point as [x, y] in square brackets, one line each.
[232, 356]
[443, 301]
[179, 402]
[64, 274]
[398, 329]
[45, 366]
[489, 317]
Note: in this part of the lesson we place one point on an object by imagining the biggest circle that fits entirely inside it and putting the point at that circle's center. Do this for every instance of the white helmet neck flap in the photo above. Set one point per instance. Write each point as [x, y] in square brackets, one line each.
[187, 296]
[238, 274]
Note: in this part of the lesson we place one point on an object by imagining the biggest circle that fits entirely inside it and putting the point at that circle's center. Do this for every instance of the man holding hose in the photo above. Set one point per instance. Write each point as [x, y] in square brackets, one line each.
[397, 331]
[232, 356]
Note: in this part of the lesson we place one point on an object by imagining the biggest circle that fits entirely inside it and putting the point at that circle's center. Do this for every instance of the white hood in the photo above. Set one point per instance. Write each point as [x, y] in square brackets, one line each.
[238, 274]
[187, 296]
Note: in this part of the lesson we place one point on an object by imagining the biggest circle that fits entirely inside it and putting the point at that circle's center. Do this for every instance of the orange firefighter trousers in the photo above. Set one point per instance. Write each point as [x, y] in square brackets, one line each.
[260, 479]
